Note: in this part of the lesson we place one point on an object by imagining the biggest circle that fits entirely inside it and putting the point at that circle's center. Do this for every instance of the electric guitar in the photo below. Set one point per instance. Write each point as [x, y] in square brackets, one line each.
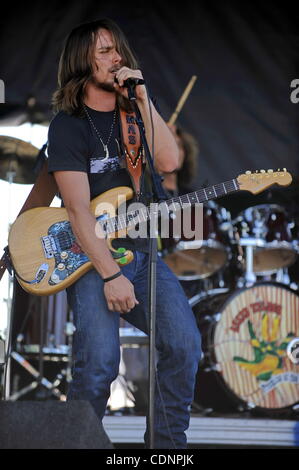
[46, 257]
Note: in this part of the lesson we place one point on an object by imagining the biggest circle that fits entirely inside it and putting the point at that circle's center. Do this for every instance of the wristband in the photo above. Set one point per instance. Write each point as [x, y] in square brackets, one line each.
[107, 279]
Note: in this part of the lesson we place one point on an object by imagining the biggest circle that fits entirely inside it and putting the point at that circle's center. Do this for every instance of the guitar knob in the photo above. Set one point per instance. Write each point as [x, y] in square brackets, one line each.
[61, 266]
[64, 255]
[55, 278]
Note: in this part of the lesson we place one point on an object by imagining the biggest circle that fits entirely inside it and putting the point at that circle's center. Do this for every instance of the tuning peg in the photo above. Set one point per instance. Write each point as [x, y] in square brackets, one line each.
[284, 169]
[248, 172]
[278, 169]
[262, 171]
[270, 171]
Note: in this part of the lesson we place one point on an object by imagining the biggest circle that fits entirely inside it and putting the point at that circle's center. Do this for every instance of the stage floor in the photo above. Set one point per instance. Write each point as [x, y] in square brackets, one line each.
[209, 431]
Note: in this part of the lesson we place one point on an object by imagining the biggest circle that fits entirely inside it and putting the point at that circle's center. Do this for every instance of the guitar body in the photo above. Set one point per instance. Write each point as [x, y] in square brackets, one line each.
[43, 249]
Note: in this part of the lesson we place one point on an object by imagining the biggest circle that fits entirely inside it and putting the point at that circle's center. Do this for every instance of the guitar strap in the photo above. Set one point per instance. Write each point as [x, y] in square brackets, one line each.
[133, 155]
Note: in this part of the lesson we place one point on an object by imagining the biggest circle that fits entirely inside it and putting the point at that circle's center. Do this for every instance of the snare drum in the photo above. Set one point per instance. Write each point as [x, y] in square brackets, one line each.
[266, 227]
[198, 259]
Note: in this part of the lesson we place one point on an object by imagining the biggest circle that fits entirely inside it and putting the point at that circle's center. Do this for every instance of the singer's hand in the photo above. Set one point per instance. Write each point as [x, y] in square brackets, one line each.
[123, 74]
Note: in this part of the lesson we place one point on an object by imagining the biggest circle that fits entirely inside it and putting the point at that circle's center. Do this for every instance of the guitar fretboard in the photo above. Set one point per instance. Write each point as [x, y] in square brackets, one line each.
[145, 213]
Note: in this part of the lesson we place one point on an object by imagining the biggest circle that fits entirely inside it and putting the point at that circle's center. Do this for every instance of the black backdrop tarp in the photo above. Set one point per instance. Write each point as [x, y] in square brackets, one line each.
[245, 55]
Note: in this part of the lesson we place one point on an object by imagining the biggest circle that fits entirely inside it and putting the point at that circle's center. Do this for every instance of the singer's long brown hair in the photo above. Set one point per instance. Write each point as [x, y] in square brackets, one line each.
[76, 64]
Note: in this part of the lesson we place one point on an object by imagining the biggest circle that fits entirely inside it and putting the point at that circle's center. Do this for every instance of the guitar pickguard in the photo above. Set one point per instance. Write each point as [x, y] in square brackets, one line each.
[65, 250]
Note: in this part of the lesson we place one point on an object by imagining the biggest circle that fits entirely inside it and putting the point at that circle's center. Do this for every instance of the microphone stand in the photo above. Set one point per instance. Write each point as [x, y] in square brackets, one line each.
[158, 195]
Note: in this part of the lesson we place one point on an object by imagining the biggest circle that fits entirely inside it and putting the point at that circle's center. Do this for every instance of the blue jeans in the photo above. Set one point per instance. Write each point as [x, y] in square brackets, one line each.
[96, 346]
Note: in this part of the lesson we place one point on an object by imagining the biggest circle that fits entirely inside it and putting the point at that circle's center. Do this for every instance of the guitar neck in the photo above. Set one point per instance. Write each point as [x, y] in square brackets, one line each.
[206, 194]
[123, 221]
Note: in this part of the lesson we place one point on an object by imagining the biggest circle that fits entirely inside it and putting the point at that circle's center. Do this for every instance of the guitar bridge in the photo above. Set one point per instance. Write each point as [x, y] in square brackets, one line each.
[49, 246]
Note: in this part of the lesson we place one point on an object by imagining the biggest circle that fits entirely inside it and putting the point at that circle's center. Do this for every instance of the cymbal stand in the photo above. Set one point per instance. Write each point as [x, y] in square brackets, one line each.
[10, 175]
[69, 331]
[51, 386]
[40, 383]
[42, 314]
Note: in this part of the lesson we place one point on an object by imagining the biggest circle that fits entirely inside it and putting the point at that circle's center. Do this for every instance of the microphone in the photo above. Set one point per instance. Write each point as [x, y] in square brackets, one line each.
[130, 84]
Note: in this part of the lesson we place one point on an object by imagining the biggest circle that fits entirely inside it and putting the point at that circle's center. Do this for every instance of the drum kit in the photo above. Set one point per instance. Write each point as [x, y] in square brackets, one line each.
[246, 303]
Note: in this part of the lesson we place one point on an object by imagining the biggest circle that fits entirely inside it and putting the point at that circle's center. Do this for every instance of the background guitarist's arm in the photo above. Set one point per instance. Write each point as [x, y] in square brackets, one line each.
[74, 189]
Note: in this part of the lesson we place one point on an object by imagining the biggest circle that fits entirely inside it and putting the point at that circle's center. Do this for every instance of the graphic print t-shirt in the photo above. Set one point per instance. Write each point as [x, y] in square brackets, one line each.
[73, 145]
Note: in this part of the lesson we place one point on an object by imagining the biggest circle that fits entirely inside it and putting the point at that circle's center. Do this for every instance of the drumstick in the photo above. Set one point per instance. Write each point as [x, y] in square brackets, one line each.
[182, 100]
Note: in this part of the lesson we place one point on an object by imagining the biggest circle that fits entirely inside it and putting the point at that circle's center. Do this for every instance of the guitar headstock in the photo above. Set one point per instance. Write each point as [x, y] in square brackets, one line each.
[261, 180]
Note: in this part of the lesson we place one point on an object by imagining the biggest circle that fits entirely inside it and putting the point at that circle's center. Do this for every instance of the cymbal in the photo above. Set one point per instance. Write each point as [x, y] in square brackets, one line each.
[17, 160]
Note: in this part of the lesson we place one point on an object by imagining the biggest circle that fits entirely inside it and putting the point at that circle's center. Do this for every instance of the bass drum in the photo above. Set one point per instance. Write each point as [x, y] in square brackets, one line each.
[245, 338]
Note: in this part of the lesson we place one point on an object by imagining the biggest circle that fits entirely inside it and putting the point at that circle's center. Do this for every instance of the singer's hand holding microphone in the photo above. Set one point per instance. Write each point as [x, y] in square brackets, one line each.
[129, 80]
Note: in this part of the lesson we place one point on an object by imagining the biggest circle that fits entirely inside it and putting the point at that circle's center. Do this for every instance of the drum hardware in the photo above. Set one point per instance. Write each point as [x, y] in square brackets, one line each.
[282, 277]
[130, 387]
[212, 367]
[2, 351]
[132, 337]
[293, 350]
[203, 295]
[294, 286]
[39, 382]
[250, 277]
[53, 330]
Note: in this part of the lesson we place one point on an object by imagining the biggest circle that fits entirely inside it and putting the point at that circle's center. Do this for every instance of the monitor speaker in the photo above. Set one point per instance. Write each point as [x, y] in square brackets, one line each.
[51, 425]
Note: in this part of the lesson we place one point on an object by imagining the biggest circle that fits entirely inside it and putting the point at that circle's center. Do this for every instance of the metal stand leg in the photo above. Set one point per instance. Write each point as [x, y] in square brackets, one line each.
[41, 383]
[52, 387]
[250, 277]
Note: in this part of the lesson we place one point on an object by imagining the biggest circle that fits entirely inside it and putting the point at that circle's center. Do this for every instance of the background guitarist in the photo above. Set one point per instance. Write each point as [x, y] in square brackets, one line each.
[84, 138]
[180, 181]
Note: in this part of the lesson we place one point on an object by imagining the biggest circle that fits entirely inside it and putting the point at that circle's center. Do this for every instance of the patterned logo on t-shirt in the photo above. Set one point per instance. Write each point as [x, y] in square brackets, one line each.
[101, 165]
